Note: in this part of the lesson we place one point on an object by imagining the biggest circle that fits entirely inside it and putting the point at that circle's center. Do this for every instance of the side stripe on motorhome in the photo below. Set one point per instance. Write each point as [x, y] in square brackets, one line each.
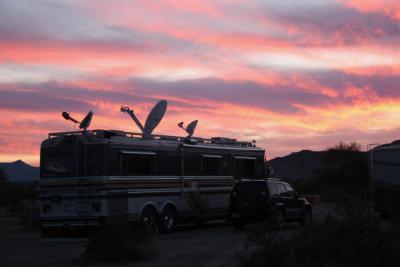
[144, 192]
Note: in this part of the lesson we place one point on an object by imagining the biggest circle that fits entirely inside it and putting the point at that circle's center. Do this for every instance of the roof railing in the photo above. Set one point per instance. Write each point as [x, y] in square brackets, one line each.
[213, 140]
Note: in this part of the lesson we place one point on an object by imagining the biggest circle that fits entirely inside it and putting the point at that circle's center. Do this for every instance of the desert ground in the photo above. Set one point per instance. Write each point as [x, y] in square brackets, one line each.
[214, 244]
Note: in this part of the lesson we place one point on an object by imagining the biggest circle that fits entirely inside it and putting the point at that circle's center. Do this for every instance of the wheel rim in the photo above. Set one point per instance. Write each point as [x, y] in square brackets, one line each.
[148, 220]
[168, 220]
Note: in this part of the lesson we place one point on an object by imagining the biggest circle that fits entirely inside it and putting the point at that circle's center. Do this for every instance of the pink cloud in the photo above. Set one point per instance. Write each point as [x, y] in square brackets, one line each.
[290, 76]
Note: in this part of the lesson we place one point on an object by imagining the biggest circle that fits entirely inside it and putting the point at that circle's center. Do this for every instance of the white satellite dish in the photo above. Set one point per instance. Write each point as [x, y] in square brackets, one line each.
[190, 128]
[154, 118]
[86, 121]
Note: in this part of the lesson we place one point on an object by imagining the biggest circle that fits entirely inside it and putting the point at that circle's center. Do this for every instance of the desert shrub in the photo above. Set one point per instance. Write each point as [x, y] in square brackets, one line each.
[120, 242]
[14, 193]
[20, 200]
[344, 171]
[27, 211]
[351, 238]
[3, 177]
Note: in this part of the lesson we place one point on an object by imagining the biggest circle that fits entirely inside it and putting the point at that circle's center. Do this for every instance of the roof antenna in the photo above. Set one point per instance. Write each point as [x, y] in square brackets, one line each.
[190, 128]
[82, 125]
[153, 119]
[133, 116]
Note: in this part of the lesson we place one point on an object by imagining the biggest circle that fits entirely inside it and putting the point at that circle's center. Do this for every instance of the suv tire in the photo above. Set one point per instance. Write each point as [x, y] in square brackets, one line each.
[238, 224]
[307, 218]
[278, 218]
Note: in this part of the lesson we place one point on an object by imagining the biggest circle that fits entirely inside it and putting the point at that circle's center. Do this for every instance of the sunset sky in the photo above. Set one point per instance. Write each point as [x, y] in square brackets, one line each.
[290, 74]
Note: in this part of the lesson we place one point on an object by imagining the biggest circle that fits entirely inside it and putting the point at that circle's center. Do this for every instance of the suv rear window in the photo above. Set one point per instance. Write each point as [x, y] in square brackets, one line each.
[273, 189]
[290, 190]
[282, 189]
[253, 187]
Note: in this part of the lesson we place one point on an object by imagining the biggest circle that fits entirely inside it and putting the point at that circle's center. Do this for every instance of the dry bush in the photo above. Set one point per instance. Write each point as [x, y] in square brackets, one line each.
[353, 238]
[120, 242]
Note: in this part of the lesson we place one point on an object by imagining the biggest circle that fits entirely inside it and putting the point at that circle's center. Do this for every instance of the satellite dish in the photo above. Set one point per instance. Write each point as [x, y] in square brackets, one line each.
[191, 127]
[154, 118]
[86, 121]
[82, 125]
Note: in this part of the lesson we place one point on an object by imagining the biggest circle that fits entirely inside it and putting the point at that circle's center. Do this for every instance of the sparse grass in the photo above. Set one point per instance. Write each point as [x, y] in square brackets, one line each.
[353, 238]
[120, 243]
[13, 193]
[20, 200]
[28, 213]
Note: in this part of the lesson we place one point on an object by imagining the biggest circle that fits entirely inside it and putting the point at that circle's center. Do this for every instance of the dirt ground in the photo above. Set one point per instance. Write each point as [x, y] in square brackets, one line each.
[214, 244]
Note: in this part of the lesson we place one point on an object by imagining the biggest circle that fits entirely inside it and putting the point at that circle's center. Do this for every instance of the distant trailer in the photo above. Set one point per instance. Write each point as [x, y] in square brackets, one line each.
[385, 177]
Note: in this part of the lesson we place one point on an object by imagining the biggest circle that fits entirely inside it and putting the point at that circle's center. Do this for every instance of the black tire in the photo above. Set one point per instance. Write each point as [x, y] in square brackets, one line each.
[246, 206]
[279, 218]
[307, 219]
[148, 219]
[168, 219]
[238, 224]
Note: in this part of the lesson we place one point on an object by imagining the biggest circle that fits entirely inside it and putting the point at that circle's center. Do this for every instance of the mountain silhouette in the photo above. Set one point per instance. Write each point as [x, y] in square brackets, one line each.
[19, 171]
[297, 165]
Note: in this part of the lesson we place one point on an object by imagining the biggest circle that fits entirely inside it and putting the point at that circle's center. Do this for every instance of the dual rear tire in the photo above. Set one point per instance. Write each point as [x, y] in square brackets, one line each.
[165, 223]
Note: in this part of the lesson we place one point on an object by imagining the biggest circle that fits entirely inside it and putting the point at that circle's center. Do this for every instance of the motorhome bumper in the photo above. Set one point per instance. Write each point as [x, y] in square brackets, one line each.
[61, 228]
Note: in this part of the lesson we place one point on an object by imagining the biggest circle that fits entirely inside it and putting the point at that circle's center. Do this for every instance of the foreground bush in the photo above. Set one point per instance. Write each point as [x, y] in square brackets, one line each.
[27, 211]
[21, 200]
[353, 238]
[120, 243]
[12, 194]
[344, 171]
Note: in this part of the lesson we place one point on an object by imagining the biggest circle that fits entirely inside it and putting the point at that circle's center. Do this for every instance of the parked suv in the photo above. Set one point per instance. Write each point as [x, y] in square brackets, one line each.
[271, 199]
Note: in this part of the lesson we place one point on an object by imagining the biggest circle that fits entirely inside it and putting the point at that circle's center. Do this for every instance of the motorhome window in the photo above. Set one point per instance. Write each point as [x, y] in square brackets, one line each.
[211, 164]
[255, 187]
[95, 161]
[245, 167]
[138, 163]
[58, 165]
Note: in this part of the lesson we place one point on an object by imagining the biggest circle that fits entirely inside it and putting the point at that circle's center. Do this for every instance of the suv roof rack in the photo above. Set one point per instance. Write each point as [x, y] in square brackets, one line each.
[274, 179]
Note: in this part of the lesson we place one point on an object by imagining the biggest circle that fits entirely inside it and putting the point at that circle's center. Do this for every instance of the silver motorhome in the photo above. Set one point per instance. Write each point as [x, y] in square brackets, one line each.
[94, 176]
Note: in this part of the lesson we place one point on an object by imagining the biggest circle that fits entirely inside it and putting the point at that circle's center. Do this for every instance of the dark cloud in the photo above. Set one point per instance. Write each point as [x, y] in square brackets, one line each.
[382, 84]
[338, 25]
[54, 96]
[274, 98]
[39, 102]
